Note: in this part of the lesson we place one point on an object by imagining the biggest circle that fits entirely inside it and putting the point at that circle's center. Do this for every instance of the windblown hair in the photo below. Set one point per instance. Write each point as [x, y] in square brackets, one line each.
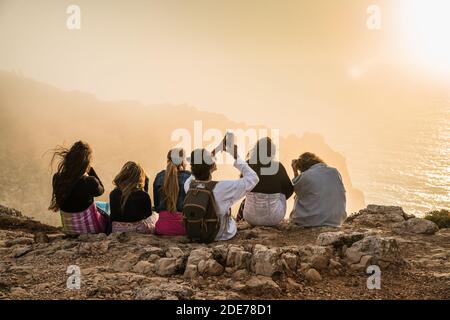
[171, 188]
[73, 164]
[307, 160]
[131, 178]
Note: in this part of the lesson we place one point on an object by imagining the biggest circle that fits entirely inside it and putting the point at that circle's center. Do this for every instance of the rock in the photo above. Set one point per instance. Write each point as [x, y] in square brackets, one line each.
[21, 270]
[85, 248]
[152, 254]
[240, 274]
[375, 215]
[63, 254]
[317, 257]
[364, 262]
[418, 226]
[92, 237]
[102, 247]
[259, 285]
[220, 254]
[250, 234]
[197, 255]
[278, 263]
[265, 261]
[125, 263]
[153, 258]
[143, 267]
[238, 258]
[292, 285]
[338, 239]
[20, 251]
[18, 241]
[3, 268]
[91, 271]
[191, 271]
[105, 289]
[201, 267]
[68, 244]
[385, 252]
[43, 286]
[10, 212]
[333, 264]
[133, 258]
[289, 261]
[41, 237]
[164, 291]
[237, 286]
[174, 252]
[122, 265]
[213, 268]
[442, 255]
[120, 237]
[168, 266]
[18, 293]
[312, 275]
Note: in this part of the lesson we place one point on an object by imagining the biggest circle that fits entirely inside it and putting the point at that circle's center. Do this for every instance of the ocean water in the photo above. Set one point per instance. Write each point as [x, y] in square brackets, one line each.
[411, 170]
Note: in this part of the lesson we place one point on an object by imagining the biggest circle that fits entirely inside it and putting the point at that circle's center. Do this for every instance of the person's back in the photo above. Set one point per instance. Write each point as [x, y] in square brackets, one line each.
[169, 195]
[137, 207]
[130, 203]
[82, 194]
[75, 185]
[226, 192]
[265, 205]
[320, 197]
[159, 196]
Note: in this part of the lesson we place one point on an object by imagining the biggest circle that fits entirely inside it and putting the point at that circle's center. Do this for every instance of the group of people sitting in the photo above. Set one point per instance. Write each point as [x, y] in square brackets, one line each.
[319, 193]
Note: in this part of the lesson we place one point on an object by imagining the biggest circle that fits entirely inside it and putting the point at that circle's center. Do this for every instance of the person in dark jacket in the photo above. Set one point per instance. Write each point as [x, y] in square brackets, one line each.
[130, 203]
[169, 194]
[75, 185]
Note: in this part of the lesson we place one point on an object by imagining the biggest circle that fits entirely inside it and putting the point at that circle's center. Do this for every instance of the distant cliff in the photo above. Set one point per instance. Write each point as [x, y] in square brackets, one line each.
[35, 117]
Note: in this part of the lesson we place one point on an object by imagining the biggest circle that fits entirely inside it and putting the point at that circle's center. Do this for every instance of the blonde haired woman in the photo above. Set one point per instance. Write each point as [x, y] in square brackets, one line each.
[169, 194]
[130, 204]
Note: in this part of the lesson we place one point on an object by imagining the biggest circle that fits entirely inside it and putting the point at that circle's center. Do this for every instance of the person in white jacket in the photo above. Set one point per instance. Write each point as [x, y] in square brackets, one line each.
[226, 192]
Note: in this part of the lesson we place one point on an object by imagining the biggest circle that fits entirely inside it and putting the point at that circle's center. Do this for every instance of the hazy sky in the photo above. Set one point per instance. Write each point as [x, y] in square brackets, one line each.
[257, 61]
[293, 65]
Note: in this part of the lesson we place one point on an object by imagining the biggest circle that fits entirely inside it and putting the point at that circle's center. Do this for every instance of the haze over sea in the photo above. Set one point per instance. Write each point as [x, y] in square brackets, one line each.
[411, 170]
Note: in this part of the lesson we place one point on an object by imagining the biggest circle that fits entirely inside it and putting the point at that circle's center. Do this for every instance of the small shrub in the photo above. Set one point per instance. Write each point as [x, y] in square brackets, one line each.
[440, 217]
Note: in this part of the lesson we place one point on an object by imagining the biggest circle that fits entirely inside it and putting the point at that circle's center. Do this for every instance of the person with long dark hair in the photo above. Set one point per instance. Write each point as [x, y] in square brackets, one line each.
[265, 205]
[75, 185]
[320, 193]
[130, 203]
[169, 194]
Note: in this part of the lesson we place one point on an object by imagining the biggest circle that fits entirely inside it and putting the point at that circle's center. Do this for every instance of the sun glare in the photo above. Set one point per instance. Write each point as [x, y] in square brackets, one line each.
[426, 24]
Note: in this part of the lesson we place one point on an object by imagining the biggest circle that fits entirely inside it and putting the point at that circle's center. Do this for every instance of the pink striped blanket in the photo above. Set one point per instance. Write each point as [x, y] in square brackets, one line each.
[88, 221]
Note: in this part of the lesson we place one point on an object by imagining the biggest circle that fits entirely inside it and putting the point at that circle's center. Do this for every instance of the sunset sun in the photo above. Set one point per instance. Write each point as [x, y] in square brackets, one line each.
[427, 29]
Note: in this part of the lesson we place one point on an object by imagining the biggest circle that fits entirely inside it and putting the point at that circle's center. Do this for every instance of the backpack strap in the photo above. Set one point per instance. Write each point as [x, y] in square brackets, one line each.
[211, 185]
